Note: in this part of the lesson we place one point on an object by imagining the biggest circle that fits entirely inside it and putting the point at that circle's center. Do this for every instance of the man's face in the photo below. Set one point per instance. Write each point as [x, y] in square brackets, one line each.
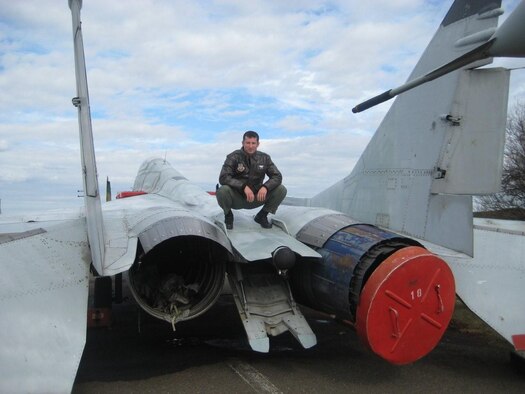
[250, 145]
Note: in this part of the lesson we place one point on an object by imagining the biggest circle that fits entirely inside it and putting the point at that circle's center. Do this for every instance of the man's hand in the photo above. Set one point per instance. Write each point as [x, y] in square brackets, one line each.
[261, 194]
[250, 197]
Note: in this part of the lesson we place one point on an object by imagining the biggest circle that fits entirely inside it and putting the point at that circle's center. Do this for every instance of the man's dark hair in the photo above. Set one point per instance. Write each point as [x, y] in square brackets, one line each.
[250, 134]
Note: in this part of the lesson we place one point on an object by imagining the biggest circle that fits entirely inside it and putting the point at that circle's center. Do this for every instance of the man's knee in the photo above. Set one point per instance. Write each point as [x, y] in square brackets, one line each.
[275, 198]
[279, 193]
[224, 196]
[223, 191]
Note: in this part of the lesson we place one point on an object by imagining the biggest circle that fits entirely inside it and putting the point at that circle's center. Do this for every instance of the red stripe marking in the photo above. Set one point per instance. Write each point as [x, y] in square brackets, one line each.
[519, 341]
[130, 194]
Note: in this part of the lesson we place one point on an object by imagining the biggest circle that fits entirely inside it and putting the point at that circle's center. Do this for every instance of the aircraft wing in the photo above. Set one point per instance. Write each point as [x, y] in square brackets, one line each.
[43, 298]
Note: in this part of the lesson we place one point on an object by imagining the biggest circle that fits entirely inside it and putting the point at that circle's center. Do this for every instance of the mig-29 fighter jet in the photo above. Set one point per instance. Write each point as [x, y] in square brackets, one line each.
[386, 248]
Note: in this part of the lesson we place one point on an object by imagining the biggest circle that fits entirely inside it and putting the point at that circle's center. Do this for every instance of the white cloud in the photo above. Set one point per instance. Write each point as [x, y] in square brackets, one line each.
[183, 80]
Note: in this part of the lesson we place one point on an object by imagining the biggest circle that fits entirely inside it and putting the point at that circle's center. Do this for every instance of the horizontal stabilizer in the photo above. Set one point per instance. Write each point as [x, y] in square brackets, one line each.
[492, 284]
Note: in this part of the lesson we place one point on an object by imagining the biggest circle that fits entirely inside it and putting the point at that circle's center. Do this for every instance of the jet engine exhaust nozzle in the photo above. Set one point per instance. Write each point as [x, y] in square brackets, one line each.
[406, 305]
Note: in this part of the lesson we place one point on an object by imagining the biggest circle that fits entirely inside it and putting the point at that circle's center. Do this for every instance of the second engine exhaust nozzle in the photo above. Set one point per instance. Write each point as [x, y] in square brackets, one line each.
[399, 295]
[406, 305]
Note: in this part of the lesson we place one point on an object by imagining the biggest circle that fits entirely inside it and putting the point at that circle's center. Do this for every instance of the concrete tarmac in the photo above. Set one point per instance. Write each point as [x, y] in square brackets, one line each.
[210, 354]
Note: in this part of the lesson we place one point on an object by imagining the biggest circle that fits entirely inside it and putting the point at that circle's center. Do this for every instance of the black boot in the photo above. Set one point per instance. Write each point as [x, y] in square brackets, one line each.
[228, 220]
[262, 219]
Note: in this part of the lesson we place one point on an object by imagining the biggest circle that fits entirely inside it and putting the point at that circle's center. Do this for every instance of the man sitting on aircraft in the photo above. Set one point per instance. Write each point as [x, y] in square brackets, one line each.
[242, 177]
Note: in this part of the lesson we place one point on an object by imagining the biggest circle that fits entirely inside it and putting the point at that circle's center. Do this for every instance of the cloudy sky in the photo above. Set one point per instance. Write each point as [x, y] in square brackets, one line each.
[184, 79]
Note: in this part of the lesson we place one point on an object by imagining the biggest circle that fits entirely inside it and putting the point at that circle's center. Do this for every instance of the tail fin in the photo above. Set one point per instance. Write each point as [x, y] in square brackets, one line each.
[89, 167]
[438, 145]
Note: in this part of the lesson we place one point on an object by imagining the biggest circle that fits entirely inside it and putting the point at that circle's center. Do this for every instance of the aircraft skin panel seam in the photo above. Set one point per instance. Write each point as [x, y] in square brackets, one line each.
[498, 230]
[10, 237]
[43, 290]
[404, 172]
[427, 213]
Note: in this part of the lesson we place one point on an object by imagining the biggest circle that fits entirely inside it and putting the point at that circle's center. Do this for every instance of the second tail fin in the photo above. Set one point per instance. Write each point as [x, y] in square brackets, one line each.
[437, 146]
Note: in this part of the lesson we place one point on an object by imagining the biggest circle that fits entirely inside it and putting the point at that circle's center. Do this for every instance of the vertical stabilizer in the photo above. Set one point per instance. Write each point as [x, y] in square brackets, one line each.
[438, 145]
[87, 149]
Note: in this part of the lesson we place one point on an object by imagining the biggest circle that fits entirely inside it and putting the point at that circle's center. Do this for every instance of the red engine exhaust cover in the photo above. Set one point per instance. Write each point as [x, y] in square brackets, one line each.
[406, 305]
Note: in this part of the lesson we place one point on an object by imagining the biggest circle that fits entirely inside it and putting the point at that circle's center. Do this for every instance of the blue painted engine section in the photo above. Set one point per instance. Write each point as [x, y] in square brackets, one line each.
[333, 284]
